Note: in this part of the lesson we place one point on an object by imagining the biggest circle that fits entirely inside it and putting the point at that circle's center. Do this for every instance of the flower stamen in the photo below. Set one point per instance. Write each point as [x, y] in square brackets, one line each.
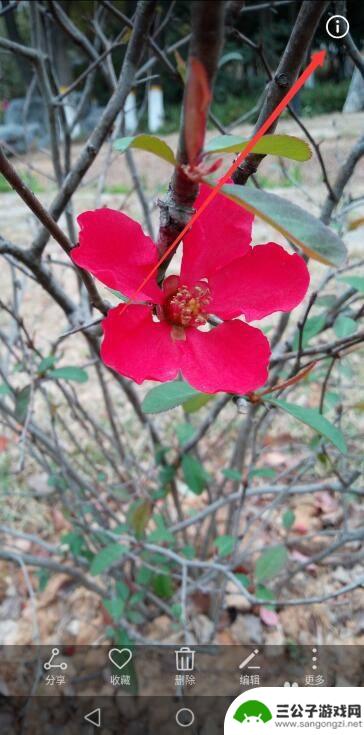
[187, 307]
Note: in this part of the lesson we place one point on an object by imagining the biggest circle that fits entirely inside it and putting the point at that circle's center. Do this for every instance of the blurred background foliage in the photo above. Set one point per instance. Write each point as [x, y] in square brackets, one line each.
[240, 66]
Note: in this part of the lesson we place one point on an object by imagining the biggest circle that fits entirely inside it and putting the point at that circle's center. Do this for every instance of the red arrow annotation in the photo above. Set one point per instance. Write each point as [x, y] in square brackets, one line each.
[317, 59]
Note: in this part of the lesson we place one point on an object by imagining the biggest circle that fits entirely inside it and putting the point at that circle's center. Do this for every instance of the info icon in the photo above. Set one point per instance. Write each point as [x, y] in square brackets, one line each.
[337, 26]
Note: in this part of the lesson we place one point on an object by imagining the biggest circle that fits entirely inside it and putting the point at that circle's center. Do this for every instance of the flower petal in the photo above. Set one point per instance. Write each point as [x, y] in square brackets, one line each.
[137, 347]
[113, 248]
[232, 357]
[221, 234]
[266, 280]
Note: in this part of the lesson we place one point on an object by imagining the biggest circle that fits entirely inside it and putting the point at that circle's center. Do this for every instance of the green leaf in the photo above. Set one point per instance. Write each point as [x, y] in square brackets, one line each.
[312, 418]
[4, 390]
[163, 585]
[106, 557]
[308, 233]
[122, 590]
[288, 519]
[46, 363]
[118, 294]
[176, 610]
[231, 474]
[199, 401]
[139, 516]
[150, 143]
[287, 146]
[115, 607]
[263, 593]
[69, 372]
[262, 472]
[194, 474]
[270, 562]
[344, 326]
[328, 300]
[166, 475]
[313, 326]
[356, 282]
[168, 395]
[144, 575]
[161, 534]
[230, 56]
[243, 579]
[225, 545]
[22, 403]
[188, 551]
[75, 541]
[185, 432]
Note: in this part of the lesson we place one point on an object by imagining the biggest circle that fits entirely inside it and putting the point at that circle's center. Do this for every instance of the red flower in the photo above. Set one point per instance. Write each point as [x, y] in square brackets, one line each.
[220, 274]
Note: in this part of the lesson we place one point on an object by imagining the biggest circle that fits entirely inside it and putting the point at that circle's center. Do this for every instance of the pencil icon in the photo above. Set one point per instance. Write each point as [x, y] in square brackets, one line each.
[248, 659]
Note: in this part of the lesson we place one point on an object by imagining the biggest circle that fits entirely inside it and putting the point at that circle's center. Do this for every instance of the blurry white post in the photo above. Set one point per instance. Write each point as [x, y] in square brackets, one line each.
[155, 108]
[70, 111]
[130, 116]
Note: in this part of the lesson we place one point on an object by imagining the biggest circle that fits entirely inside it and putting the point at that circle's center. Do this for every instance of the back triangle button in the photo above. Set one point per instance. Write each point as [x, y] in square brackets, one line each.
[94, 717]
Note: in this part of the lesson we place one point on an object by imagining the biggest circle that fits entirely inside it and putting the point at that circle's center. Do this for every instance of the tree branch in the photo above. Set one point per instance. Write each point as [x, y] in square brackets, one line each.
[287, 72]
[143, 17]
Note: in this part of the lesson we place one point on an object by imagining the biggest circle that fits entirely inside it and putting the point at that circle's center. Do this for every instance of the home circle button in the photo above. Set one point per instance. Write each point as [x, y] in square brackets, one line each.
[185, 717]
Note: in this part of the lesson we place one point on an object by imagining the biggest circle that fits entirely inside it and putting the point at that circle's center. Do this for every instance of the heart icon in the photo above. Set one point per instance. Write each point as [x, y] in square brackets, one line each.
[120, 657]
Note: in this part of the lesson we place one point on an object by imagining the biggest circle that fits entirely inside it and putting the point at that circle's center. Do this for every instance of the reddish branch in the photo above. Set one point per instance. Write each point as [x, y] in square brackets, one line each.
[207, 22]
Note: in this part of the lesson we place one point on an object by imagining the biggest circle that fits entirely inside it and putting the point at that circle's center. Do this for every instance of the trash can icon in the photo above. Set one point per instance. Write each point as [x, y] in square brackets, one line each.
[185, 659]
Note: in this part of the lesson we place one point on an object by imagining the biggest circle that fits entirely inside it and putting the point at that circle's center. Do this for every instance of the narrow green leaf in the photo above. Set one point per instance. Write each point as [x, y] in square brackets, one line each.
[199, 401]
[270, 563]
[308, 233]
[356, 282]
[163, 585]
[176, 610]
[5, 390]
[150, 143]
[118, 294]
[168, 395]
[225, 545]
[107, 556]
[230, 56]
[344, 326]
[139, 516]
[22, 403]
[313, 326]
[231, 474]
[69, 372]
[194, 474]
[288, 519]
[312, 418]
[185, 432]
[287, 146]
[262, 472]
